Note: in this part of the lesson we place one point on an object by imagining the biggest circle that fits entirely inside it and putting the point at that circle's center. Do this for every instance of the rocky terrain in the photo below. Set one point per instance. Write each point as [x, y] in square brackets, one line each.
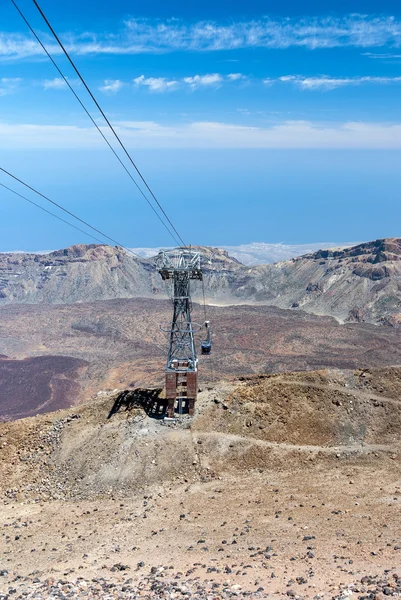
[76, 350]
[286, 482]
[356, 284]
[107, 501]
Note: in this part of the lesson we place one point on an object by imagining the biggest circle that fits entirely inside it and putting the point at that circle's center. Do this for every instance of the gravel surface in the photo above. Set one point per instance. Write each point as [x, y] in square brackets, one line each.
[160, 585]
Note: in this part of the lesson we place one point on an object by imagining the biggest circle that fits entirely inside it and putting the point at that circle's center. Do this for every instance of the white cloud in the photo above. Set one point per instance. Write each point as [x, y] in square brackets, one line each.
[57, 83]
[156, 84]
[162, 84]
[140, 36]
[8, 85]
[285, 78]
[112, 86]
[203, 80]
[330, 83]
[47, 136]
[14, 45]
[235, 76]
[148, 134]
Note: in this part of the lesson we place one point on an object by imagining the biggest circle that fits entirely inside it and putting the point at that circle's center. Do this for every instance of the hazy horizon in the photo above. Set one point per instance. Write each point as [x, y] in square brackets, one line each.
[249, 254]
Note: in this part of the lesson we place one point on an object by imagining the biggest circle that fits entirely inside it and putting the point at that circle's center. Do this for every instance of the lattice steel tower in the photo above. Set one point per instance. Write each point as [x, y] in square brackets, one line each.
[181, 266]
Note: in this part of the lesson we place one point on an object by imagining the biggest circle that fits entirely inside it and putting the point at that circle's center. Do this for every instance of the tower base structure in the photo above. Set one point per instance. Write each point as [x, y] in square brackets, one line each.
[181, 391]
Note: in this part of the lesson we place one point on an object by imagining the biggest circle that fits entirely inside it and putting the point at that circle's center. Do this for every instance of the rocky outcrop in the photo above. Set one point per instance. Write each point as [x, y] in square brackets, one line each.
[373, 252]
[360, 283]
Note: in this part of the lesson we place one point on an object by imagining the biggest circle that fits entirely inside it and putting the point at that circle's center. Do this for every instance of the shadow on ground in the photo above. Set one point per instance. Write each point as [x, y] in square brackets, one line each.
[148, 400]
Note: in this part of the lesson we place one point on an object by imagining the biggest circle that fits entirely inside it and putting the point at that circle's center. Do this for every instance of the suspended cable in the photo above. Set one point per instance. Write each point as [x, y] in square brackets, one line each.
[93, 121]
[106, 119]
[50, 213]
[209, 357]
[71, 214]
[204, 299]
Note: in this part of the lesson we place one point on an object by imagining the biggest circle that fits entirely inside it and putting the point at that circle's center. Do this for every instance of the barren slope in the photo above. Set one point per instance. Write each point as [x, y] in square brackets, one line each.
[245, 498]
[107, 445]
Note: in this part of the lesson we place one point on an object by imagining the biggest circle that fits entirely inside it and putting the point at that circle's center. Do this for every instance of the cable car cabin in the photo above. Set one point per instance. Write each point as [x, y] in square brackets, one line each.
[206, 347]
[206, 344]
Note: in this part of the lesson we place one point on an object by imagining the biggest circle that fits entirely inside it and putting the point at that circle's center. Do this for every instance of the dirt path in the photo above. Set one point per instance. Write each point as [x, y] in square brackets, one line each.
[225, 438]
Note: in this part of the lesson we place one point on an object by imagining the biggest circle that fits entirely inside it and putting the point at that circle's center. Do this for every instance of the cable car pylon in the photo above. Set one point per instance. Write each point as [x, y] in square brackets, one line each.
[181, 266]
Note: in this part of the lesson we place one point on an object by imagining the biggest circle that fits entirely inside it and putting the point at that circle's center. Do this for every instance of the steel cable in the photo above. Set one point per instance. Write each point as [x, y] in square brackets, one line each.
[50, 213]
[71, 214]
[106, 119]
[92, 119]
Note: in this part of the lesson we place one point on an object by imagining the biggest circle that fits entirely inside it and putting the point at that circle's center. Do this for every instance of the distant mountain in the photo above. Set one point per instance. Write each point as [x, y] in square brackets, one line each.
[359, 283]
[84, 273]
[77, 274]
[258, 253]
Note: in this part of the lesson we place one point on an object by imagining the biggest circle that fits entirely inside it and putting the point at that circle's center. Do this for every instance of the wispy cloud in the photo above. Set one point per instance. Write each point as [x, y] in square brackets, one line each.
[17, 46]
[154, 36]
[163, 84]
[156, 84]
[329, 83]
[57, 83]
[205, 134]
[8, 85]
[235, 76]
[312, 32]
[112, 86]
[383, 56]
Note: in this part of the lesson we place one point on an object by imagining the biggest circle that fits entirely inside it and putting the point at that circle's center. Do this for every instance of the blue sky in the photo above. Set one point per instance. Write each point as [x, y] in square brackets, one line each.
[251, 121]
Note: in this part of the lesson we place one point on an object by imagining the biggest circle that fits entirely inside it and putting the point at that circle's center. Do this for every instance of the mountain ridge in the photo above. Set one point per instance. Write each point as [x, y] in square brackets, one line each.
[358, 283]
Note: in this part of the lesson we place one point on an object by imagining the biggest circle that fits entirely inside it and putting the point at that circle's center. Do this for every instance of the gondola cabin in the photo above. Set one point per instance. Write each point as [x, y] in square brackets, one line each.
[206, 347]
[206, 344]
